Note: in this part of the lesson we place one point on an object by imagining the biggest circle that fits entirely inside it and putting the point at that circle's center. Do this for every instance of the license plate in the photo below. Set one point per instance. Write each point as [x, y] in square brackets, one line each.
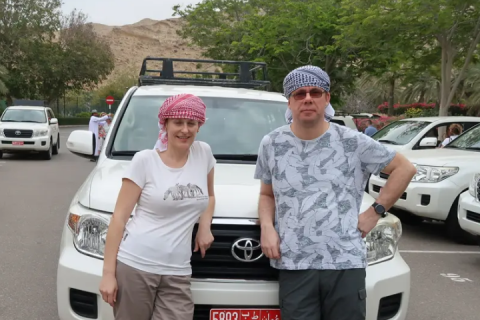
[17, 143]
[245, 314]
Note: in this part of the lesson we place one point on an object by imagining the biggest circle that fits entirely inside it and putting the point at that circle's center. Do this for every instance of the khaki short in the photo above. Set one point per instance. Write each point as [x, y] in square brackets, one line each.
[146, 296]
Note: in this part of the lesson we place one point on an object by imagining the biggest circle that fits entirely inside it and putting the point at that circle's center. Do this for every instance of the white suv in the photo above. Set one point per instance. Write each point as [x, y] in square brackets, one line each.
[469, 208]
[442, 175]
[234, 276]
[25, 129]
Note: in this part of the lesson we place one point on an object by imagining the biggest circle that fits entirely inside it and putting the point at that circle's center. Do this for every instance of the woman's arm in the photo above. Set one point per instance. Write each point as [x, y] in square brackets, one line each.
[204, 235]
[127, 198]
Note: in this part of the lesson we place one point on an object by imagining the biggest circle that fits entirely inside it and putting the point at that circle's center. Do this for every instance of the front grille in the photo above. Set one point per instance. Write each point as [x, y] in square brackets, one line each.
[384, 175]
[219, 262]
[389, 306]
[17, 133]
[202, 311]
[84, 303]
[473, 216]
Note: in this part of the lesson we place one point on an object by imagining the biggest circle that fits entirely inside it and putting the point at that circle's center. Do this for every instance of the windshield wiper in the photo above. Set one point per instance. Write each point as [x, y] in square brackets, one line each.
[388, 141]
[242, 157]
[124, 153]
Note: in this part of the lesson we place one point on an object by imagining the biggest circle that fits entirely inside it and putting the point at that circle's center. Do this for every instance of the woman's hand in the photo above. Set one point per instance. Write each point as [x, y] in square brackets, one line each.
[109, 289]
[203, 239]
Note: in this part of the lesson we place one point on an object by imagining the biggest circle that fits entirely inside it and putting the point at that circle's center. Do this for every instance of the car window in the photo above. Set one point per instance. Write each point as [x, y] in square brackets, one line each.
[340, 122]
[400, 132]
[469, 140]
[233, 126]
[24, 115]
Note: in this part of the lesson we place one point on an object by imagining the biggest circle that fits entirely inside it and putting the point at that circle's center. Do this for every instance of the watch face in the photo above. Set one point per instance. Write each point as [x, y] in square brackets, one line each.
[380, 209]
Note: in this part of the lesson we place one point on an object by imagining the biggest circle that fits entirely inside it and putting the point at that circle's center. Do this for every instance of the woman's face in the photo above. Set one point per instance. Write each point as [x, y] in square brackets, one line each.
[181, 132]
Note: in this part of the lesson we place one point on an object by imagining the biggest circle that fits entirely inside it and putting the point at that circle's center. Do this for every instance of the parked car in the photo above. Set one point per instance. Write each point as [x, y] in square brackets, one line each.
[420, 133]
[442, 175]
[26, 129]
[469, 208]
[226, 281]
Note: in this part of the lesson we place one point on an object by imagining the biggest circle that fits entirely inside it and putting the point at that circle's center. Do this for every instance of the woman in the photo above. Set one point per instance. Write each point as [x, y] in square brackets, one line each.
[146, 273]
[453, 132]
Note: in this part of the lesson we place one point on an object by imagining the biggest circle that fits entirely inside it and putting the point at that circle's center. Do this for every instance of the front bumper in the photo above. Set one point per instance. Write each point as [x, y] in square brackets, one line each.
[428, 200]
[469, 213]
[29, 144]
[78, 298]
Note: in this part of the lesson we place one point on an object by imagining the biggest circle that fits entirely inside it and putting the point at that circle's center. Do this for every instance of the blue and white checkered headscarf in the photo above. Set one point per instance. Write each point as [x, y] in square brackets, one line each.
[307, 76]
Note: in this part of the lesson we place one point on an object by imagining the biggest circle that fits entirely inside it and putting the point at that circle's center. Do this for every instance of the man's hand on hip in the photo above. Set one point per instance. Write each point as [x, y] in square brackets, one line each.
[270, 242]
[367, 221]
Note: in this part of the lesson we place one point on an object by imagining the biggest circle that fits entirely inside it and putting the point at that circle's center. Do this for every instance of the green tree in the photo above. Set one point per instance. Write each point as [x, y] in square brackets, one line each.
[446, 32]
[79, 60]
[25, 24]
[284, 34]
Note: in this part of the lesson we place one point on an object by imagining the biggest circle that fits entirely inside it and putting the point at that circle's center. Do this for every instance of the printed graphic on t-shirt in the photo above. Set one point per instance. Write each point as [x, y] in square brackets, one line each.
[180, 192]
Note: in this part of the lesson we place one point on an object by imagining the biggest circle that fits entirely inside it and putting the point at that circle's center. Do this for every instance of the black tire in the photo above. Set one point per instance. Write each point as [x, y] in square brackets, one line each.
[1, 154]
[453, 229]
[47, 155]
[56, 147]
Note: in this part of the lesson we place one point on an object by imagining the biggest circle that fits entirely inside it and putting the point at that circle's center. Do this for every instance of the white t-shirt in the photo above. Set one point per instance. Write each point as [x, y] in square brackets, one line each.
[448, 140]
[158, 239]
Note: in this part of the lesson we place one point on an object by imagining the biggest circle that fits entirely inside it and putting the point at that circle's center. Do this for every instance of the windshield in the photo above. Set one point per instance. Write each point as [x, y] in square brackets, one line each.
[24, 115]
[233, 126]
[400, 132]
[469, 140]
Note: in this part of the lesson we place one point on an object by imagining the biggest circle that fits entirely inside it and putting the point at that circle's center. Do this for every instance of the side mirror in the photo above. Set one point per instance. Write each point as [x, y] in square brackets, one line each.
[54, 121]
[430, 142]
[82, 143]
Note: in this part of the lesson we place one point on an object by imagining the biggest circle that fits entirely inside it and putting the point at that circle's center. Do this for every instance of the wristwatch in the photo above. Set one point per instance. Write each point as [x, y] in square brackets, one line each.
[379, 209]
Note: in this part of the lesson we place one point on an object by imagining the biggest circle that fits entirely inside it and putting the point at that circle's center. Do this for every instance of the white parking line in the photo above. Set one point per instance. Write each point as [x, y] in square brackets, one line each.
[441, 252]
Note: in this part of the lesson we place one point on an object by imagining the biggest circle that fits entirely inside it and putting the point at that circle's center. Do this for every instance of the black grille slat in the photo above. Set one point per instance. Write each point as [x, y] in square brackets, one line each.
[478, 190]
[384, 175]
[12, 133]
[84, 303]
[219, 261]
[473, 216]
[389, 306]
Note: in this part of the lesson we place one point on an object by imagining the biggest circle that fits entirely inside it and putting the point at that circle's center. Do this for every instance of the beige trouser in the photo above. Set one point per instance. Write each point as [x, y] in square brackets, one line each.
[146, 296]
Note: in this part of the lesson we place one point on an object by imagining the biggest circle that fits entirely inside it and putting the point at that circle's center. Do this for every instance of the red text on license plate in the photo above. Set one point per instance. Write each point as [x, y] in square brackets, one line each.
[244, 314]
[17, 143]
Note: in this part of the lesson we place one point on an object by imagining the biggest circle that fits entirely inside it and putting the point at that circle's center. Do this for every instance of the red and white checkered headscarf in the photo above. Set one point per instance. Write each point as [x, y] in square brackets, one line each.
[180, 106]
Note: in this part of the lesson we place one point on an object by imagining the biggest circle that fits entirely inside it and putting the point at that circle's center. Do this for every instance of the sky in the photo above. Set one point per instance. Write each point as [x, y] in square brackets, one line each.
[121, 12]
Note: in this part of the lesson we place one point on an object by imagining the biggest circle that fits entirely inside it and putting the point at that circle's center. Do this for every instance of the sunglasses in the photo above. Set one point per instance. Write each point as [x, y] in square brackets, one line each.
[302, 94]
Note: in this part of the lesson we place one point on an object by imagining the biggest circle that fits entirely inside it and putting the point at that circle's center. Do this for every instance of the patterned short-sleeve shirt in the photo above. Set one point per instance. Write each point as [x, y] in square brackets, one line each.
[318, 187]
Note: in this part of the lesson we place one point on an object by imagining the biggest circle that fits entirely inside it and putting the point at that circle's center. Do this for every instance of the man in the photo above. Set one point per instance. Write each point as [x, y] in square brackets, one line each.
[370, 129]
[95, 120]
[313, 176]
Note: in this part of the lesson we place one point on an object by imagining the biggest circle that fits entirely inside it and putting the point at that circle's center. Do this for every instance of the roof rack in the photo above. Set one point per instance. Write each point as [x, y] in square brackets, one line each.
[246, 77]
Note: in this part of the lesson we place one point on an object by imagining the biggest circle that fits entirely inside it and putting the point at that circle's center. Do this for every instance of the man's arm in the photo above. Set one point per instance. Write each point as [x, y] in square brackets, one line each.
[401, 172]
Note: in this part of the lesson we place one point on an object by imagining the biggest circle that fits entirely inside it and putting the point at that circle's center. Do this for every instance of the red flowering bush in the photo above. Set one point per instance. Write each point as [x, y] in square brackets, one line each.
[455, 109]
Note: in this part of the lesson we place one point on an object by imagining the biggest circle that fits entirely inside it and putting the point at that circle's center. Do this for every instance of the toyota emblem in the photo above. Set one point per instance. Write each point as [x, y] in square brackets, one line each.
[247, 250]
[18, 132]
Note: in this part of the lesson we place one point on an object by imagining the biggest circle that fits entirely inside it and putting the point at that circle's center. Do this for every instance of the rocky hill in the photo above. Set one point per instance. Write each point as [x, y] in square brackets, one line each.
[132, 43]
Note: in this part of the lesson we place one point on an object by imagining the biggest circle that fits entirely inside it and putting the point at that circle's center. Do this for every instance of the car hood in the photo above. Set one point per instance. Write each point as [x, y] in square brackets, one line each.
[23, 125]
[443, 157]
[399, 148]
[236, 191]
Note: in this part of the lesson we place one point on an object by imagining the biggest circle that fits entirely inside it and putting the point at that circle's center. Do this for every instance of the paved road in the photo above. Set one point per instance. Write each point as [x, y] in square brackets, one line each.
[34, 198]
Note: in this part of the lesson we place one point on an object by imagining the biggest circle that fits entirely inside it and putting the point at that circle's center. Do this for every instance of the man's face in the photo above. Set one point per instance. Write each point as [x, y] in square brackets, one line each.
[308, 104]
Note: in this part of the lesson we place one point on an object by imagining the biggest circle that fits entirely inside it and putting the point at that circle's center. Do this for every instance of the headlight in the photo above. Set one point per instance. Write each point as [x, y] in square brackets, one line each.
[89, 234]
[474, 184]
[382, 241]
[40, 133]
[431, 174]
